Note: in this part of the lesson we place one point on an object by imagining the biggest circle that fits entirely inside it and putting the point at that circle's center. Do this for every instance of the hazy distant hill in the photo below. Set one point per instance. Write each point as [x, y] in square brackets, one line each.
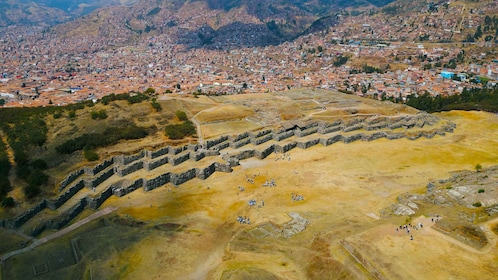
[212, 23]
[49, 12]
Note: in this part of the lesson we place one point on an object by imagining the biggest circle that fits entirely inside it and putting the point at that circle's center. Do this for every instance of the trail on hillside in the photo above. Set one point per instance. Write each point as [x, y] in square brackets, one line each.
[10, 152]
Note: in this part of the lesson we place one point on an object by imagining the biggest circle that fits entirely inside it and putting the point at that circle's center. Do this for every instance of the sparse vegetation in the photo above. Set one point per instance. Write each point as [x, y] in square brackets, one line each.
[478, 167]
[101, 115]
[109, 137]
[90, 155]
[477, 204]
[180, 131]
[485, 99]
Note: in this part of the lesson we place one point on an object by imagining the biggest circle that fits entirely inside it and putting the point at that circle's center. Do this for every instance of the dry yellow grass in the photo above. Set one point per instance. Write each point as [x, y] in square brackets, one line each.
[344, 185]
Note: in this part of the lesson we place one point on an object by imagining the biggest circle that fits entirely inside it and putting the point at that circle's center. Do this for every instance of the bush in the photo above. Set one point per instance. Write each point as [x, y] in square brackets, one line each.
[477, 204]
[179, 131]
[110, 136]
[37, 178]
[99, 115]
[480, 191]
[156, 106]
[39, 164]
[71, 114]
[90, 155]
[5, 186]
[182, 116]
[8, 202]
[31, 191]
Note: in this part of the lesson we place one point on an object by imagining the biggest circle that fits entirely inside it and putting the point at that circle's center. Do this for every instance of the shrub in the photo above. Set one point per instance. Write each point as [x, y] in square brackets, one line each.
[31, 191]
[90, 155]
[156, 106]
[71, 114]
[99, 115]
[8, 202]
[480, 191]
[478, 167]
[39, 164]
[179, 131]
[182, 116]
[477, 204]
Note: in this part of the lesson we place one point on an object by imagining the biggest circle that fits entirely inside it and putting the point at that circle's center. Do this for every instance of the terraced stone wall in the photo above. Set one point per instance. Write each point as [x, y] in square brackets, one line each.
[95, 202]
[157, 182]
[151, 165]
[128, 189]
[63, 198]
[178, 179]
[92, 183]
[71, 177]
[129, 169]
[24, 217]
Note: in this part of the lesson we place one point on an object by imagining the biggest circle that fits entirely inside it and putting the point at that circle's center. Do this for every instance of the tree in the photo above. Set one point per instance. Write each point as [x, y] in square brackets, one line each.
[8, 202]
[478, 167]
[2, 102]
[150, 91]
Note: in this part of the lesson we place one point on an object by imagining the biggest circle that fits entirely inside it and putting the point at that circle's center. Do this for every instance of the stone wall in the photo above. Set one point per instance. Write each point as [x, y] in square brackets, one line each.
[309, 143]
[71, 177]
[221, 146]
[63, 198]
[159, 152]
[286, 147]
[92, 183]
[374, 136]
[177, 150]
[244, 154]
[204, 173]
[123, 171]
[125, 160]
[178, 179]
[214, 142]
[283, 135]
[261, 140]
[157, 182]
[151, 165]
[220, 167]
[24, 217]
[91, 171]
[124, 190]
[361, 260]
[240, 143]
[265, 152]
[197, 155]
[260, 133]
[95, 202]
[68, 215]
[239, 137]
[306, 132]
[179, 159]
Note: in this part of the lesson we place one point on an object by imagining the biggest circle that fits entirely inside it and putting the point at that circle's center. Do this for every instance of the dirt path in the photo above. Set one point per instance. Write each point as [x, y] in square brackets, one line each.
[9, 151]
[59, 233]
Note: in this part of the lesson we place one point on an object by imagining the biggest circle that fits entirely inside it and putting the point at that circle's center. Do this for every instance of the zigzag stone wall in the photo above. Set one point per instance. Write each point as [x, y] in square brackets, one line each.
[99, 167]
[178, 179]
[151, 165]
[122, 165]
[71, 177]
[128, 189]
[157, 182]
[95, 202]
[129, 169]
[63, 198]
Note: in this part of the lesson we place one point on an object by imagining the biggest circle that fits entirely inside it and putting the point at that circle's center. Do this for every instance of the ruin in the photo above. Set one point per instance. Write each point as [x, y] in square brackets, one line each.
[306, 135]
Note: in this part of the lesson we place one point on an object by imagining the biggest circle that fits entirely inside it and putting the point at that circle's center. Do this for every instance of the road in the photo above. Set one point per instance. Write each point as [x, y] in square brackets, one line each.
[38, 242]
